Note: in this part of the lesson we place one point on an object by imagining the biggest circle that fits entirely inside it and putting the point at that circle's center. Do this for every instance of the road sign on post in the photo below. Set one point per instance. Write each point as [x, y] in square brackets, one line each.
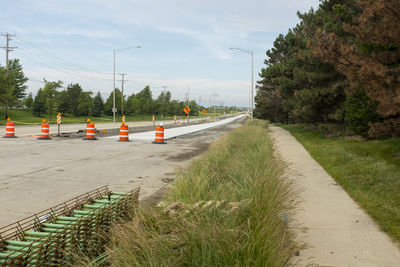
[186, 110]
[58, 123]
[204, 111]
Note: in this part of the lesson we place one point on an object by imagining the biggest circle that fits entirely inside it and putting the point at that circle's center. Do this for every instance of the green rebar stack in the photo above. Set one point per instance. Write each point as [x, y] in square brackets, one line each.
[54, 237]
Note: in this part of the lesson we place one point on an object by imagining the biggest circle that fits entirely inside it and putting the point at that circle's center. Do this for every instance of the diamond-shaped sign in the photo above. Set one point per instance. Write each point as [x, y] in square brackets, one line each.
[204, 111]
[186, 110]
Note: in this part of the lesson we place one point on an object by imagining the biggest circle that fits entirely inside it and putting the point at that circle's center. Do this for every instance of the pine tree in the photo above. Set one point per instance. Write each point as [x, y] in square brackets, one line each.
[98, 107]
[28, 101]
[39, 104]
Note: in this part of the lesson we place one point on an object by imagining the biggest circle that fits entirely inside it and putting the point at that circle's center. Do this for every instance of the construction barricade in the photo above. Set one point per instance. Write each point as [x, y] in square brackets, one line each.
[159, 135]
[123, 133]
[45, 131]
[10, 129]
[90, 131]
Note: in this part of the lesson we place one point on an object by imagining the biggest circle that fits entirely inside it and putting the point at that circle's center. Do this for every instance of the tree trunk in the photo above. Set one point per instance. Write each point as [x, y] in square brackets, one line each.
[6, 111]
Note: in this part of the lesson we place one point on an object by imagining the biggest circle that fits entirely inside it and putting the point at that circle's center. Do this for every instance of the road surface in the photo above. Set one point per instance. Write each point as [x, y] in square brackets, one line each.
[37, 174]
[27, 130]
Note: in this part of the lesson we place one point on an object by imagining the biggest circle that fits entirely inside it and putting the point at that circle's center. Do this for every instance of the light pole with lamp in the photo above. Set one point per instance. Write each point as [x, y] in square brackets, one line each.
[114, 110]
[252, 83]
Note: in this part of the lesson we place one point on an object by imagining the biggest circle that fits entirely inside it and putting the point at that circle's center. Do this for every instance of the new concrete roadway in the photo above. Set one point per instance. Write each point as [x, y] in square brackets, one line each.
[37, 174]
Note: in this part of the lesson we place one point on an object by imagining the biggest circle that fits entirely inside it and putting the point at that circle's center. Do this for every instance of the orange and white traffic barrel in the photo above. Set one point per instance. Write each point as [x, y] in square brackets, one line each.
[90, 131]
[10, 127]
[159, 135]
[45, 131]
[123, 133]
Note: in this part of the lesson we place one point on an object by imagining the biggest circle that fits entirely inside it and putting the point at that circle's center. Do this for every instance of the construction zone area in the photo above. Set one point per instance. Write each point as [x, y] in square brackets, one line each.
[42, 170]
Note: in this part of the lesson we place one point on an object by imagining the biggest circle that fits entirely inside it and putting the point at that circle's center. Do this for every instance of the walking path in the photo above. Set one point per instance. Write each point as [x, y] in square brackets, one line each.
[336, 232]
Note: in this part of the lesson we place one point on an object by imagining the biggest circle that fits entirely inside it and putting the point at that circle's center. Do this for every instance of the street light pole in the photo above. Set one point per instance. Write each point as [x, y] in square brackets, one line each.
[252, 75]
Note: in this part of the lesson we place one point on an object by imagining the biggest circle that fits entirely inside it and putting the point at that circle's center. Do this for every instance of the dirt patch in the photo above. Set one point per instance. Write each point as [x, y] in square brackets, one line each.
[199, 148]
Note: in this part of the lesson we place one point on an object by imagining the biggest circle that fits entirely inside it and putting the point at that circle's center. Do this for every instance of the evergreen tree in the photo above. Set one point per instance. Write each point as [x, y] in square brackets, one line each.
[98, 105]
[74, 91]
[19, 78]
[28, 101]
[63, 102]
[39, 104]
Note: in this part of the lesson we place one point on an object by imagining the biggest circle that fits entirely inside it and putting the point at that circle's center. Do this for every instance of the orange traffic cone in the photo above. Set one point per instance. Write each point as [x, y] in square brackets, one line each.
[123, 133]
[90, 131]
[45, 131]
[10, 129]
[159, 135]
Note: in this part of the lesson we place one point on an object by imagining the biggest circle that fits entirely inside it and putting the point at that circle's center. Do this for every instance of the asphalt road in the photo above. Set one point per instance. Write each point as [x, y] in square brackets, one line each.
[27, 130]
[36, 174]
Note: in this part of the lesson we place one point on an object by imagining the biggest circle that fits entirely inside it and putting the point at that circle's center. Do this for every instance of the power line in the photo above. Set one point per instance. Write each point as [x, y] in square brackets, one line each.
[61, 60]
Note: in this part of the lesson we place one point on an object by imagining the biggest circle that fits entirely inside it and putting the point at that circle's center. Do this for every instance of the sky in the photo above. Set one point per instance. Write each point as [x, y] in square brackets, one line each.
[183, 43]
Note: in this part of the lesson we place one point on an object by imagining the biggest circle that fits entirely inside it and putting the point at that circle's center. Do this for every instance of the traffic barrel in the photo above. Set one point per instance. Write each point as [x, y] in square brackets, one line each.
[10, 127]
[159, 135]
[45, 131]
[90, 131]
[123, 133]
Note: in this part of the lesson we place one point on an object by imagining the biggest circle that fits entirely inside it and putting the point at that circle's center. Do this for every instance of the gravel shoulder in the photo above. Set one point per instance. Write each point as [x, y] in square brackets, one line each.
[331, 228]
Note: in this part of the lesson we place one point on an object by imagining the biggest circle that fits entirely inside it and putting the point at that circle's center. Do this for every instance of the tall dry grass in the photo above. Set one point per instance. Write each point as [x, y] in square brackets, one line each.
[240, 167]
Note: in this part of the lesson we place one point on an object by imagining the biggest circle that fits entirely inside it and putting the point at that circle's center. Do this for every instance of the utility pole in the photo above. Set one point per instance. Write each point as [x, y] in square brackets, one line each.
[8, 48]
[162, 114]
[122, 92]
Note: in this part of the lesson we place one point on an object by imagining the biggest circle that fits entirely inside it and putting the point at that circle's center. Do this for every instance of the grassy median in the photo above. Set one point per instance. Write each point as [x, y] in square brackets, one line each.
[233, 203]
[368, 170]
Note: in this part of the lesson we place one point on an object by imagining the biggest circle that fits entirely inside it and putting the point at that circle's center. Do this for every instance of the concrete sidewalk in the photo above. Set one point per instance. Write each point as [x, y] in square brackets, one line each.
[333, 228]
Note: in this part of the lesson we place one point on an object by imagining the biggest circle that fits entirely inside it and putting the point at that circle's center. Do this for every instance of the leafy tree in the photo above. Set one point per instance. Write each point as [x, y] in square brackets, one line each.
[50, 94]
[108, 105]
[132, 105]
[85, 103]
[98, 105]
[39, 104]
[74, 91]
[28, 101]
[63, 102]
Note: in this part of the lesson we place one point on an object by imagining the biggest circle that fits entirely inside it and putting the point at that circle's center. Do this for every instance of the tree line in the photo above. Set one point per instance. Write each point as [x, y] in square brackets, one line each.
[341, 65]
[74, 101]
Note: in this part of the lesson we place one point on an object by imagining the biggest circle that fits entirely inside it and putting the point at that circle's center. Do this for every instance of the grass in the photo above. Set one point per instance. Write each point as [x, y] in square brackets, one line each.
[238, 168]
[25, 117]
[368, 170]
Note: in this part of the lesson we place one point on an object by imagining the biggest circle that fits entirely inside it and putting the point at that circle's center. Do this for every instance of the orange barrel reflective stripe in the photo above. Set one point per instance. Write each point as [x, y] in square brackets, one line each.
[45, 131]
[159, 135]
[123, 133]
[90, 131]
[10, 129]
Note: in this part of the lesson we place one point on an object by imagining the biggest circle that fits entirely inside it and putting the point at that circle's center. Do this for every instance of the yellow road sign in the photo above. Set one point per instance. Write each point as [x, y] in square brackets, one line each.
[186, 109]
